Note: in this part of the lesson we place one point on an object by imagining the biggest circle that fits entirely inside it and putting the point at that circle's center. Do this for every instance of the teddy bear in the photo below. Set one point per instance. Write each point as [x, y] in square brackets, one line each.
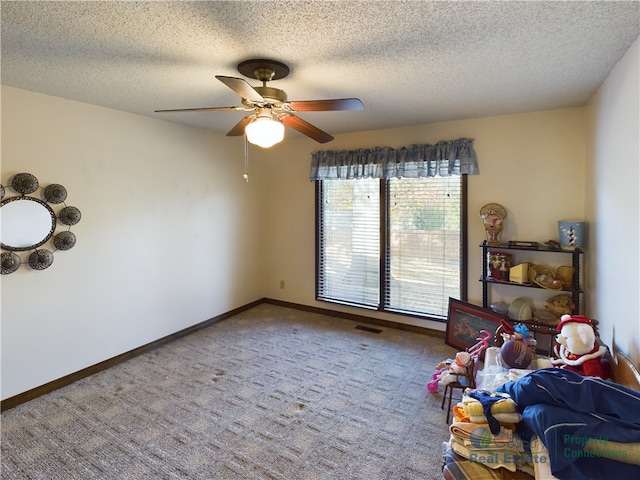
[576, 347]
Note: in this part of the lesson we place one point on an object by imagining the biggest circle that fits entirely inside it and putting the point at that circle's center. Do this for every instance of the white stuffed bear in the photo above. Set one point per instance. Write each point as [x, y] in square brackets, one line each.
[576, 349]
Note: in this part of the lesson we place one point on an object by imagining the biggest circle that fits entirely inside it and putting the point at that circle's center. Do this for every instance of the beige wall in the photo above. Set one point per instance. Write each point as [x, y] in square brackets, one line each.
[533, 164]
[613, 205]
[169, 236]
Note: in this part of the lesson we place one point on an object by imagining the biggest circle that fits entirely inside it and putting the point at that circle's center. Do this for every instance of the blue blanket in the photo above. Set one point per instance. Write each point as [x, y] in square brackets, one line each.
[565, 409]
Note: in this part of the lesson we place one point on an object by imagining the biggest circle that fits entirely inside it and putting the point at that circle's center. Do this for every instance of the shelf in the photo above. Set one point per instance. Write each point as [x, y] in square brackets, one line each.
[539, 248]
[528, 285]
[575, 291]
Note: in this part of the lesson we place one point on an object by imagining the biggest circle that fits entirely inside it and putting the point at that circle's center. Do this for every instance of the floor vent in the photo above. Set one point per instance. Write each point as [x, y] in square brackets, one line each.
[368, 329]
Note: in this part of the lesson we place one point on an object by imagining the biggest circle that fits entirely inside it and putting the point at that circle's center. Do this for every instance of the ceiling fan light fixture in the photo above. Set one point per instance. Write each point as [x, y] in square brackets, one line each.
[265, 132]
[271, 109]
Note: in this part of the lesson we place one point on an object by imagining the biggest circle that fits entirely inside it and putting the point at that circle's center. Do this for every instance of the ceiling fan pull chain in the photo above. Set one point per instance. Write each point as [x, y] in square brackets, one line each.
[245, 175]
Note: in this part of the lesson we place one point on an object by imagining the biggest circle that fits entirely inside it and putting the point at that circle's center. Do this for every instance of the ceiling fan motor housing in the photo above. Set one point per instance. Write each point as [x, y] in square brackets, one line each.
[263, 69]
[274, 95]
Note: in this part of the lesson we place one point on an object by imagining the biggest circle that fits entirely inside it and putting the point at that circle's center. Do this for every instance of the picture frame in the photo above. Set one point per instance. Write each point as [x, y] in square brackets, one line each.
[464, 322]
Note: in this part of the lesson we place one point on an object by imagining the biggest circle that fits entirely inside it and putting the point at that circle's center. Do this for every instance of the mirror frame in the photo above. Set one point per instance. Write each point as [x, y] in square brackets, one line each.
[48, 236]
[24, 185]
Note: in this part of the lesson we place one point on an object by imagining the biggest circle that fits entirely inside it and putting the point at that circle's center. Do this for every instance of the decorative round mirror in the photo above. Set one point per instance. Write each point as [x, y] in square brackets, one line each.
[29, 222]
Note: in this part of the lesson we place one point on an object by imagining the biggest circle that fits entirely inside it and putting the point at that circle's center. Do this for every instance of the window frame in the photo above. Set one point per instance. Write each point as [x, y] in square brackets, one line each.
[384, 243]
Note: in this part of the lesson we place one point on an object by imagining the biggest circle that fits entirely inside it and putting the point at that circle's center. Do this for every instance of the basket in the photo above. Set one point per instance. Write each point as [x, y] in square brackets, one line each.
[565, 275]
[559, 305]
[543, 277]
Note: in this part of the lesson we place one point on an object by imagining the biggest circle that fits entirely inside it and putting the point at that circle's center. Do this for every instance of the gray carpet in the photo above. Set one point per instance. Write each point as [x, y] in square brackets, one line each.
[272, 393]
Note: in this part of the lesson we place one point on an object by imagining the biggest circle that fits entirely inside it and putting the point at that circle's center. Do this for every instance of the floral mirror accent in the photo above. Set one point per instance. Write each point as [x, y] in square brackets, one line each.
[29, 222]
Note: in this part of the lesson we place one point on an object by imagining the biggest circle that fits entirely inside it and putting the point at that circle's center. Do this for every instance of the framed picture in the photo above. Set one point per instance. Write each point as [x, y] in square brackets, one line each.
[465, 321]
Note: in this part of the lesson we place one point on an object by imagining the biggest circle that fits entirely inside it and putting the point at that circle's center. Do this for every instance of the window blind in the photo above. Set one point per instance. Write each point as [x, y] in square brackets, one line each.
[394, 245]
[424, 247]
[349, 242]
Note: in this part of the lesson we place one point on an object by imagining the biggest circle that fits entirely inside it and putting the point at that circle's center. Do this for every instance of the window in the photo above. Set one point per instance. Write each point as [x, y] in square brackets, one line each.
[394, 245]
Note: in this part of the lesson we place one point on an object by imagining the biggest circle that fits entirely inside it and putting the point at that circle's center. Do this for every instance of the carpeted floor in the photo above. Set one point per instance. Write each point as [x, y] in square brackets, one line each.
[272, 393]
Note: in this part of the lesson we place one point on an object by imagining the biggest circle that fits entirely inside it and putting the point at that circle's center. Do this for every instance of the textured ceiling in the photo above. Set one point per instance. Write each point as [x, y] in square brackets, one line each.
[410, 62]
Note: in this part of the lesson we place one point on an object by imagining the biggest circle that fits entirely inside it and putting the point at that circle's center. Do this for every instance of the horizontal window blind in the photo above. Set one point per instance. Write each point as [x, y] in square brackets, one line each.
[349, 242]
[423, 251]
[411, 226]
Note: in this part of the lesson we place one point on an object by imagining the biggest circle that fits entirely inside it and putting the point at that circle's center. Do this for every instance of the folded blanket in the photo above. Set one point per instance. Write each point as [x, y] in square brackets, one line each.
[490, 458]
[479, 435]
[482, 406]
[458, 467]
[502, 404]
[502, 418]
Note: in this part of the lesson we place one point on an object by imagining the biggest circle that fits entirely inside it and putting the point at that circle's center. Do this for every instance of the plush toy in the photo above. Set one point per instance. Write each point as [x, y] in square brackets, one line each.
[449, 370]
[463, 360]
[576, 349]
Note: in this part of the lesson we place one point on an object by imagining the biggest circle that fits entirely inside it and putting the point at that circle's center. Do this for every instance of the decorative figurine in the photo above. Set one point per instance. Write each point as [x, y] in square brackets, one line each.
[492, 215]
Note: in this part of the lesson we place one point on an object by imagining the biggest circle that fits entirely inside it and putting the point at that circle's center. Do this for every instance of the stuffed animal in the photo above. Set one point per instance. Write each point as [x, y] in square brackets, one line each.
[463, 360]
[449, 371]
[576, 349]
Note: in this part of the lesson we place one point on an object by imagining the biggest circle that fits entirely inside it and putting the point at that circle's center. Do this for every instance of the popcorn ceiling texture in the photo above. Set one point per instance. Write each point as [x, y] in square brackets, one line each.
[410, 62]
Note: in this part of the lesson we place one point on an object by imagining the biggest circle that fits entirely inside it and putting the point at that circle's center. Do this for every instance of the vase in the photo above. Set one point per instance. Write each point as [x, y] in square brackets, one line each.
[572, 234]
[493, 215]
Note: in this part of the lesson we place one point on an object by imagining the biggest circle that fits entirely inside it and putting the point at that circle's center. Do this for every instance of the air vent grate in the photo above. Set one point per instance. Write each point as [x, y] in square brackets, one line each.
[368, 329]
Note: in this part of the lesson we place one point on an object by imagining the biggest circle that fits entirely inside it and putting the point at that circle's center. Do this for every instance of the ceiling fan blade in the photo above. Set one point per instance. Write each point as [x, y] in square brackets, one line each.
[202, 109]
[238, 129]
[241, 87]
[327, 105]
[306, 128]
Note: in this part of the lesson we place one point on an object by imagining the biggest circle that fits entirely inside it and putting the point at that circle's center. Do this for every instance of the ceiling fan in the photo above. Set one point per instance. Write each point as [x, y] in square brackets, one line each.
[269, 106]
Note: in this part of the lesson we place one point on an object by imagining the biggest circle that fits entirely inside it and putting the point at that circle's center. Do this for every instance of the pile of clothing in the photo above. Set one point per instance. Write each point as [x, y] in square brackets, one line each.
[491, 408]
[589, 426]
[484, 431]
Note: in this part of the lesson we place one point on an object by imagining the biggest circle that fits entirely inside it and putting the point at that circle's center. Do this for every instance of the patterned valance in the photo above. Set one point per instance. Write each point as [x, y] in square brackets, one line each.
[456, 157]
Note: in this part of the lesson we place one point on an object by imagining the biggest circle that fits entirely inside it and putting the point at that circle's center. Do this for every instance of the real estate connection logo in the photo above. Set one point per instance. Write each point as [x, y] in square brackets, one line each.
[590, 447]
[509, 447]
[506, 448]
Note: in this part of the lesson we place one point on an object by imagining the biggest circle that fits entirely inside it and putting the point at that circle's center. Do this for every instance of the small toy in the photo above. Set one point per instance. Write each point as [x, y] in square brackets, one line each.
[516, 354]
[483, 343]
[516, 351]
[452, 369]
[552, 244]
[522, 330]
[576, 349]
